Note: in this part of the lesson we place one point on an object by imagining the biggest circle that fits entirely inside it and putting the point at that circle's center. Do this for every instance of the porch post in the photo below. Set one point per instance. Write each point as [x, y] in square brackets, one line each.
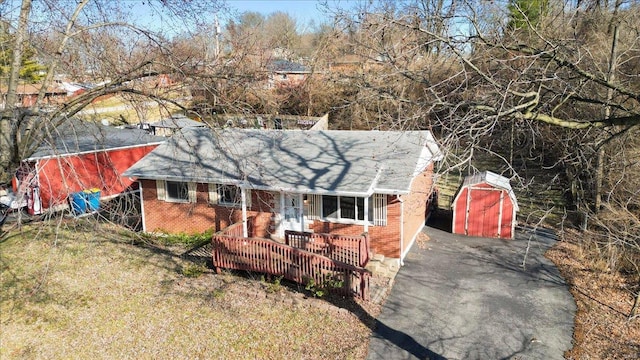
[243, 198]
[282, 214]
[366, 214]
[301, 207]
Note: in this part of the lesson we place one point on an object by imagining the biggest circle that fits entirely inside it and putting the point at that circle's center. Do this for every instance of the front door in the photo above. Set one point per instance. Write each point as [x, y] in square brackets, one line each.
[292, 219]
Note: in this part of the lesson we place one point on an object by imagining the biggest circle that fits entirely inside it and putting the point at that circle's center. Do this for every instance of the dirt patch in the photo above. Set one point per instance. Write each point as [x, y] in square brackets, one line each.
[422, 240]
[603, 299]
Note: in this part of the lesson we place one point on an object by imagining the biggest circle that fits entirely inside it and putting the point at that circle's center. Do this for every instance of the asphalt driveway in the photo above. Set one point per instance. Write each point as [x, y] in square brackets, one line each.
[473, 298]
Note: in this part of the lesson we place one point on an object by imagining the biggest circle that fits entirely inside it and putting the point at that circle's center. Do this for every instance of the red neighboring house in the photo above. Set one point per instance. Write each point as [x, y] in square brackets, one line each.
[338, 182]
[485, 206]
[27, 94]
[80, 155]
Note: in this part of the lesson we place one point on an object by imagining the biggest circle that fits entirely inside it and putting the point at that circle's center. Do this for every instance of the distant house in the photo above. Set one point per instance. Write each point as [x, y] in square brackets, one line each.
[270, 121]
[285, 73]
[73, 89]
[80, 155]
[164, 81]
[27, 94]
[347, 64]
[337, 182]
[172, 124]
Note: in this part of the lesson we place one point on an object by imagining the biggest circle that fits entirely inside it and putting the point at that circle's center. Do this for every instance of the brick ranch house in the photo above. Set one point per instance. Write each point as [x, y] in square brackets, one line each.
[338, 182]
[80, 155]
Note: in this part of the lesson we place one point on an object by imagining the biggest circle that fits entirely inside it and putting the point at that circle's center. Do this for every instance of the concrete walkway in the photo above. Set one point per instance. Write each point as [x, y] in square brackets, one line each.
[472, 298]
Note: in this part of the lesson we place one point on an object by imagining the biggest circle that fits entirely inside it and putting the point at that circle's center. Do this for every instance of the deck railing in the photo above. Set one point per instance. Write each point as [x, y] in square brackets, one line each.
[304, 267]
[353, 250]
[236, 229]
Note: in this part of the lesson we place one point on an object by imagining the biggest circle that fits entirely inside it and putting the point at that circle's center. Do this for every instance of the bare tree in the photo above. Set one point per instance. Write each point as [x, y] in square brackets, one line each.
[552, 91]
[100, 38]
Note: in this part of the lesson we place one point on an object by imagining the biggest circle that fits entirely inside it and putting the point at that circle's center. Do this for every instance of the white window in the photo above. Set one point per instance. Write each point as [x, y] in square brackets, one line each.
[346, 208]
[227, 195]
[176, 191]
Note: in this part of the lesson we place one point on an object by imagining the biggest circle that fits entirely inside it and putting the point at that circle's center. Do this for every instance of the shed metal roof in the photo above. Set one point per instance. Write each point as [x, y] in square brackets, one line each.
[76, 137]
[494, 180]
[341, 162]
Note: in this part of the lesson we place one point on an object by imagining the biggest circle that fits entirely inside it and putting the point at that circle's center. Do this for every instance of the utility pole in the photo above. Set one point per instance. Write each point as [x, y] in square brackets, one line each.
[217, 38]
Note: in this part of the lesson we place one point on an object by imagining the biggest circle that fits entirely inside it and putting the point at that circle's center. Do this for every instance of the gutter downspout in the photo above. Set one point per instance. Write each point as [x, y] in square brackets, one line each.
[401, 229]
[366, 214]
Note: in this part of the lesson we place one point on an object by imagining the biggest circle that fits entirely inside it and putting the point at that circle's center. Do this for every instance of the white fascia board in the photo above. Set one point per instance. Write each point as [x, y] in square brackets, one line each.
[390, 191]
[303, 191]
[89, 151]
[246, 185]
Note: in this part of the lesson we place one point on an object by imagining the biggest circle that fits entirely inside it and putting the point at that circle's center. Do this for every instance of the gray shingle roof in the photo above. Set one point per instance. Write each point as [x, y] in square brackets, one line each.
[342, 162]
[76, 136]
[176, 122]
[286, 66]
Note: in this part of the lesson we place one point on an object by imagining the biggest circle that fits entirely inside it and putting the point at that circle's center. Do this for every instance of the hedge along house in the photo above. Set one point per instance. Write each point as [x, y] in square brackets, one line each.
[80, 155]
[338, 182]
[485, 206]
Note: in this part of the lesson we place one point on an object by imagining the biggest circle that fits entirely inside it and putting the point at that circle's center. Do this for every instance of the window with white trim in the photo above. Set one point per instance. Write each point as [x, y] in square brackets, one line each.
[349, 208]
[176, 191]
[227, 195]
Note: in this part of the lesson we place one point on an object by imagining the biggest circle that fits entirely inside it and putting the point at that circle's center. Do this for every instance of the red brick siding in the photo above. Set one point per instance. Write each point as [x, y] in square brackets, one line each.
[384, 239]
[415, 204]
[201, 216]
[191, 218]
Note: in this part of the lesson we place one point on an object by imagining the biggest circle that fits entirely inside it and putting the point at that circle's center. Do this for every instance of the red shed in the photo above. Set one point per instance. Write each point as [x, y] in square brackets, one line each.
[485, 206]
[77, 156]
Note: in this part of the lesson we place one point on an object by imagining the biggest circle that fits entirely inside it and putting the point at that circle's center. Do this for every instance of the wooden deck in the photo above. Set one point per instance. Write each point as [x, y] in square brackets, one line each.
[233, 251]
[353, 250]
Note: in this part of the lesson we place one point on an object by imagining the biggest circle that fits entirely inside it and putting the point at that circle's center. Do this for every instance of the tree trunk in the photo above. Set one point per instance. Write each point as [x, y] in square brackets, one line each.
[599, 179]
[8, 126]
[636, 304]
[601, 152]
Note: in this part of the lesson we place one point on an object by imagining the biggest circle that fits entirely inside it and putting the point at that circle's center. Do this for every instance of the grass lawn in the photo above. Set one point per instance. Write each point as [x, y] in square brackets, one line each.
[86, 290]
[116, 108]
